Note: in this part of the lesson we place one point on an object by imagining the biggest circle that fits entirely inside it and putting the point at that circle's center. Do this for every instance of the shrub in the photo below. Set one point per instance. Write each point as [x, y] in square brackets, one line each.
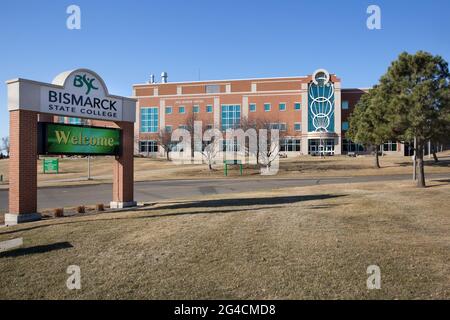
[58, 213]
[81, 209]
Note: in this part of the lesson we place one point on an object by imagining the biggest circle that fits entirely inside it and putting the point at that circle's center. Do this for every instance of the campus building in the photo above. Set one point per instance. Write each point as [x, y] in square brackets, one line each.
[311, 111]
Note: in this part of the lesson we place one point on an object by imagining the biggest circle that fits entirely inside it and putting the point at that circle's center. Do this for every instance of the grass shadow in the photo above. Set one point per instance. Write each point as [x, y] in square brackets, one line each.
[242, 202]
[35, 250]
[265, 203]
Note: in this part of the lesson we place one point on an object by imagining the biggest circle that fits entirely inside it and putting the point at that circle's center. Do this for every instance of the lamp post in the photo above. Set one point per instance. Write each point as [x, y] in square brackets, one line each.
[89, 168]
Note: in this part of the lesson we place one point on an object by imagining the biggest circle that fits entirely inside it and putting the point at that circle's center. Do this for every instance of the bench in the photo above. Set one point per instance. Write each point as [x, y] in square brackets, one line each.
[232, 162]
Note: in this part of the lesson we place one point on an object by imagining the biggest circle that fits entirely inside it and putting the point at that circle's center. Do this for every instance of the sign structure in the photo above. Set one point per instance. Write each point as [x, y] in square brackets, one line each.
[64, 139]
[80, 94]
[50, 165]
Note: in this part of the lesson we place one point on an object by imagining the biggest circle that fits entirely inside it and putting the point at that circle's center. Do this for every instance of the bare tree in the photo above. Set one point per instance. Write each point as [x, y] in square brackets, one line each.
[211, 146]
[191, 119]
[165, 141]
[269, 146]
[5, 145]
[247, 125]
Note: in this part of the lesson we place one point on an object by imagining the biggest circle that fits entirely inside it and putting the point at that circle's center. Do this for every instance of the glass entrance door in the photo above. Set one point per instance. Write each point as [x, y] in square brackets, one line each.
[317, 147]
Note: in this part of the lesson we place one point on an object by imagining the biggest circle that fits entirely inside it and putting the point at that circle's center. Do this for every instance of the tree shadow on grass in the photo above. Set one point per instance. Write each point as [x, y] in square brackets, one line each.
[35, 250]
[442, 180]
[244, 202]
[225, 204]
[428, 163]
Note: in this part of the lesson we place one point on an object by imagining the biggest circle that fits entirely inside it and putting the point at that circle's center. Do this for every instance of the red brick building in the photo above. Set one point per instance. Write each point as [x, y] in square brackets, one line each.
[312, 111]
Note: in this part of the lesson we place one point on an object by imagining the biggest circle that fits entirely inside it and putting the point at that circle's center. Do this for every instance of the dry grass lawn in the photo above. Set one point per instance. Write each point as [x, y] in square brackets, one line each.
[302, 243]
[74, 170]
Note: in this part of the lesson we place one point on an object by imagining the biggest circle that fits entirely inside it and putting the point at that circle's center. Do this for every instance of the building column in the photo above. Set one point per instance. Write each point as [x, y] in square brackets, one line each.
[304, 111]
[123, 179]
[22, 167]
[338, 118]
[217, 112]
[137, 129]
[244, 107]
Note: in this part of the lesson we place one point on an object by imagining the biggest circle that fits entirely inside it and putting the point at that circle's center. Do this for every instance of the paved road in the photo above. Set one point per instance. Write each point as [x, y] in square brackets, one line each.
[53, 197]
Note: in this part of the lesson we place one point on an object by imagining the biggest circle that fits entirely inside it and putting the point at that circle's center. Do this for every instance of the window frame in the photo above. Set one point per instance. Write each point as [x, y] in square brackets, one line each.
[149, 123]
[346, 103]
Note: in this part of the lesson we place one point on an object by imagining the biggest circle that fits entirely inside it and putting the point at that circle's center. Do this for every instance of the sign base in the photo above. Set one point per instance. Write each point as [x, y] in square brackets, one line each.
[121, 205]
[13, 219]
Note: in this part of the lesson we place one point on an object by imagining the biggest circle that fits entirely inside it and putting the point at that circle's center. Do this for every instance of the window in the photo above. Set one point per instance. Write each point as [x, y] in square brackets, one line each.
[209, 126]
[349, 146]
[282, 106]
[266, 107]
[168, 129]
[297, 126]
[149, 119]
[213, 88]
[181, 109]
[297, 106]
[252, 107]
[75, 121]
[196, 109]
[345, 125]
[182, 126]
[290, 144]
[168, 110]
[278, 126]
[345, 105]
[231, 116]
[389, 146]
[209, 108]
[149, 146]
[61, 119]
[231, 145]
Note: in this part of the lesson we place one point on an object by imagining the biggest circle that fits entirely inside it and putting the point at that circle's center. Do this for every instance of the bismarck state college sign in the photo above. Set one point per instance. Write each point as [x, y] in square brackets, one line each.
[79, 93]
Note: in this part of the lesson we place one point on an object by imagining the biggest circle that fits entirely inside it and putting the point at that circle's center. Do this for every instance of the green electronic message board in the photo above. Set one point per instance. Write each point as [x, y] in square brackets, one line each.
[63, 139]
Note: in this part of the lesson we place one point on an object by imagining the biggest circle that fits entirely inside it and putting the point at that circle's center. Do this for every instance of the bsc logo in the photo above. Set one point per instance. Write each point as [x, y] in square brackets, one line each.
[80, 81]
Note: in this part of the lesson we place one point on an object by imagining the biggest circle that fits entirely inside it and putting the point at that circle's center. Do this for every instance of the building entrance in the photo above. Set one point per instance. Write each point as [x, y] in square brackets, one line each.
[317, 147]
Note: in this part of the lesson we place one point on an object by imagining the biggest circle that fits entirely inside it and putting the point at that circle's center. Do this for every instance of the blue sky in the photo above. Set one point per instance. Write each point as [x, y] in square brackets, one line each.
[126, 41]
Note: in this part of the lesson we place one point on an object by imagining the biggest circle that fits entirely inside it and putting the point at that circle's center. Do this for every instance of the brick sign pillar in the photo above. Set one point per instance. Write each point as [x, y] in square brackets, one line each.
[123, 193]
[22, 167]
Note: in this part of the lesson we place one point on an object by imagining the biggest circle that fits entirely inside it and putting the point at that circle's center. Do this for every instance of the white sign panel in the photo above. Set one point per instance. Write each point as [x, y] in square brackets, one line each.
[80, 94]
[83, 96]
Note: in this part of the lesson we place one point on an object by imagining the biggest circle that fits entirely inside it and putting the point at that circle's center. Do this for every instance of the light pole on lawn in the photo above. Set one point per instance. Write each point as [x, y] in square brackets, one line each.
[89, 168]
[321, 148]
[415, 160]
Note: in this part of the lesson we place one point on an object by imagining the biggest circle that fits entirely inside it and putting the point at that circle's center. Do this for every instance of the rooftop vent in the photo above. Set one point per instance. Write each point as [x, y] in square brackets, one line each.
[163, 77]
